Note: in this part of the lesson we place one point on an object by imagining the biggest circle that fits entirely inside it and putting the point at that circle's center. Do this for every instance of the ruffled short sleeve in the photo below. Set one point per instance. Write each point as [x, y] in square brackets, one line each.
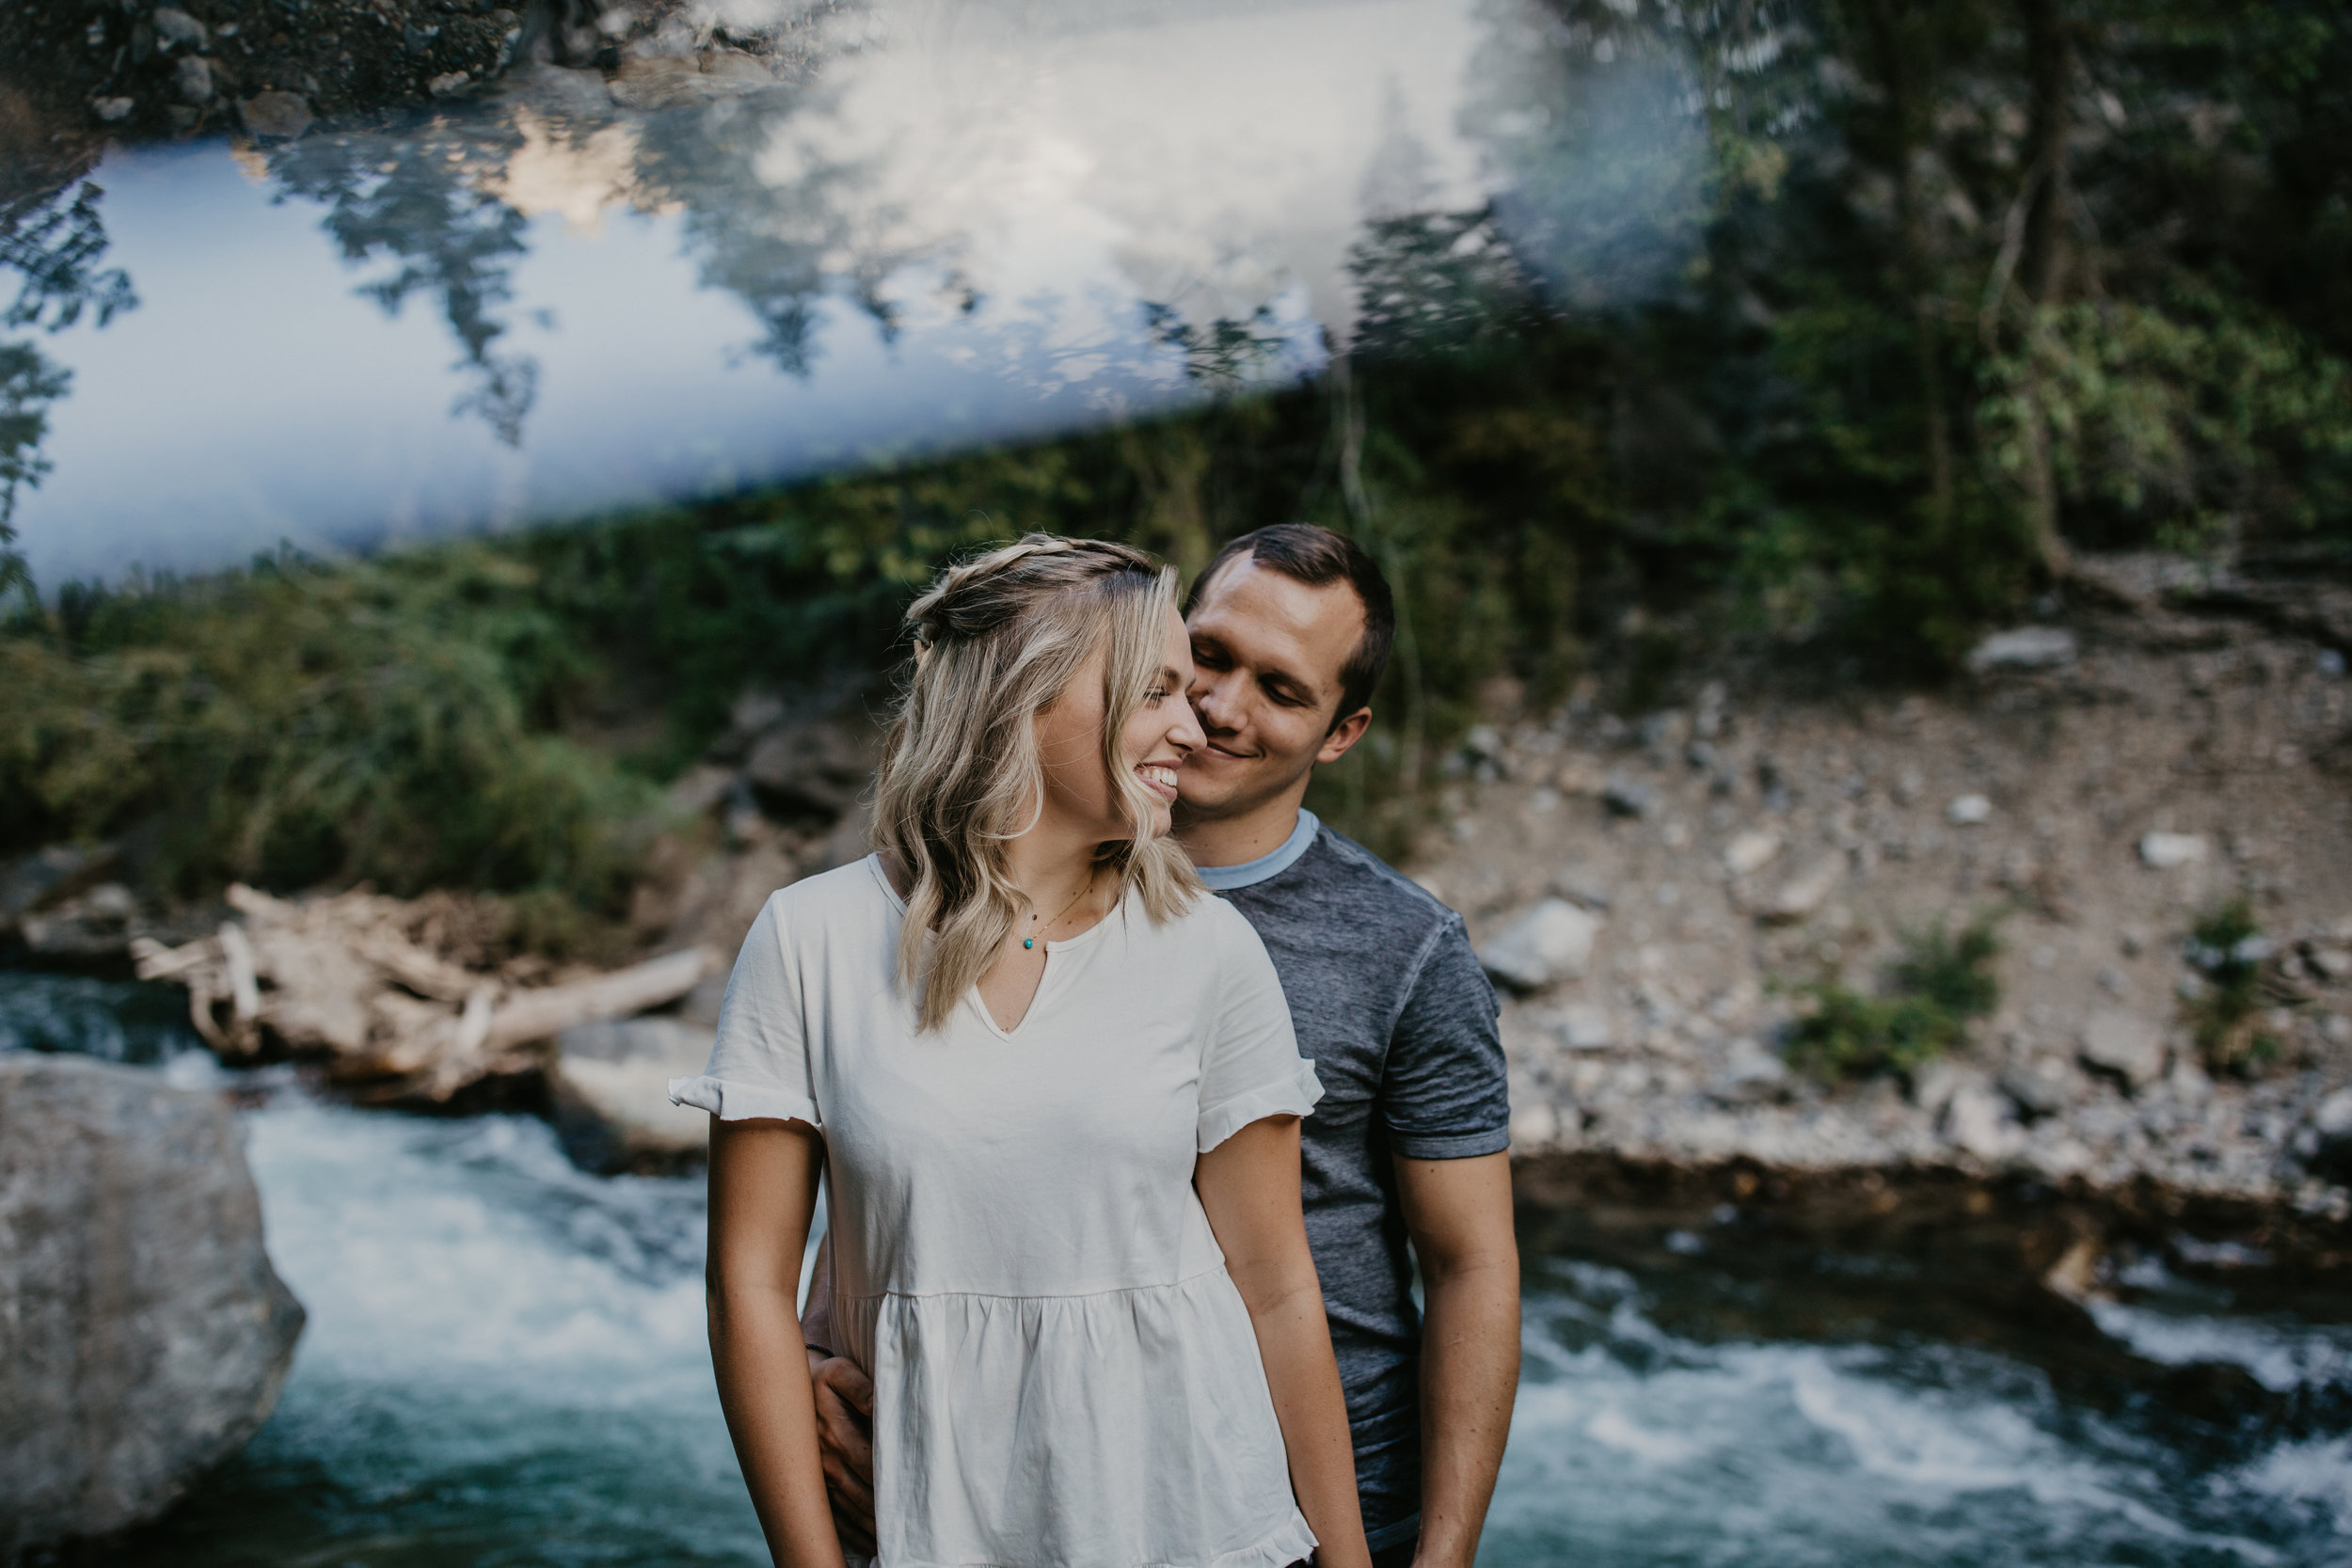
[759, 1064]
[1251, 1068]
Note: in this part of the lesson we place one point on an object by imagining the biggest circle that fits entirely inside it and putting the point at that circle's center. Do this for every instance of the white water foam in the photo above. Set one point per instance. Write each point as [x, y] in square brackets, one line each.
[2281, 1357]
[1641, 1447]
[2317, 1473]
[500, 1350]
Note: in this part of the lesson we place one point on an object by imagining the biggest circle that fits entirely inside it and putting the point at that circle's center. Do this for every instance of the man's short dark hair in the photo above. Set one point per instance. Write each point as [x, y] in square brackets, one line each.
[1319, 557]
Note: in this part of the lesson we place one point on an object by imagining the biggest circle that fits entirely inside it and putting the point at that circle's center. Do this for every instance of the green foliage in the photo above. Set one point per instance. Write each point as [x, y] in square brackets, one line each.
[1934, 987]
[2228, 948]
[392, 720]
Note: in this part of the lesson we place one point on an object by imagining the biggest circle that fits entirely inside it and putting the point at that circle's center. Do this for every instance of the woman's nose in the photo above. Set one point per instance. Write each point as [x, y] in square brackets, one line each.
[1185, 732]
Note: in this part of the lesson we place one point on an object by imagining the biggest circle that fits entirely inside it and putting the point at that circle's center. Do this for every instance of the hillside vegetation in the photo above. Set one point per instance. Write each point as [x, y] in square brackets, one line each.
[1830, 329]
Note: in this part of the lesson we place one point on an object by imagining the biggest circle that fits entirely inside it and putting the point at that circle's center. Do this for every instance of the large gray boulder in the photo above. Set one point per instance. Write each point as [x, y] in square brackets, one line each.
[146, 1333]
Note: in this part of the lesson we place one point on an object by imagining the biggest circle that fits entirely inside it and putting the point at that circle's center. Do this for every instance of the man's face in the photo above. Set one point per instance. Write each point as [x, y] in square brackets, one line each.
[1266, 651]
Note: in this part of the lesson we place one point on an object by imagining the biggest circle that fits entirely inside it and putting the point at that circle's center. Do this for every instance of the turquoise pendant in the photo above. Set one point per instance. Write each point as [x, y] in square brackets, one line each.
[1028, 942]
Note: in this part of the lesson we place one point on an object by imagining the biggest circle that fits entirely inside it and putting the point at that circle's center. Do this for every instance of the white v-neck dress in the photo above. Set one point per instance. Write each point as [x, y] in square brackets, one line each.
[1064, 1375]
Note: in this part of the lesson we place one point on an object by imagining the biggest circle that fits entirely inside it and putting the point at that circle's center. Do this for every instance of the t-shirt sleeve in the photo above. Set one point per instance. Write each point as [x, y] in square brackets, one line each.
[1446, 1094]
[1251, 1068]
[759, 1064]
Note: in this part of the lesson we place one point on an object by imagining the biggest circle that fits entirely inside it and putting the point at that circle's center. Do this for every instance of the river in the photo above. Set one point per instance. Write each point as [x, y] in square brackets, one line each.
[504, 1363]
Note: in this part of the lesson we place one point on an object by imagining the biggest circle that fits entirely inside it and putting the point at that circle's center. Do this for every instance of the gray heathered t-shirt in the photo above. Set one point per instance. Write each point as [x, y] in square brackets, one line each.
[1391, 1005]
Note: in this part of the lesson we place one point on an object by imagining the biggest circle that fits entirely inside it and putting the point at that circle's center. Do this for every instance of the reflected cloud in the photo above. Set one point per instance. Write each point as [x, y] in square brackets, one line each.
[942, 222]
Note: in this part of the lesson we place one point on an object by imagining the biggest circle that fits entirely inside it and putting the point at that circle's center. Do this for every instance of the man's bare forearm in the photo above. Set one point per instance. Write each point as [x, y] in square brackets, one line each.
[1470, 1374]
[1458, 1213]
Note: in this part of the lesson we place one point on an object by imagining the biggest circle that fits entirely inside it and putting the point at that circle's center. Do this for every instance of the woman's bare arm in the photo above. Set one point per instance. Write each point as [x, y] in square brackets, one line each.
[1248, 1185]
[763, 1193]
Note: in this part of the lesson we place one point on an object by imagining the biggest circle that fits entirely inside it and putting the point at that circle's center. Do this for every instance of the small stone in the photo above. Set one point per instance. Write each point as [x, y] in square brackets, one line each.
[1550, 943]
[1534, 1126]
[1933, 1085]
[112, 109]
[2162, 851]
[2333, 1118]
[2331, 1127]
[2189, 1082]
[2336, 1029]
[2133, 940]
[1625, 797]
[2334, 962]
[178, 27]
[1752, 1076]
[2040, 1088]
[194, 78]
[447, 83]
[1751, 850]
[2125, 1045]
[1805, 892]
[1968, 811]
[2022, 648]
[275, 114]
[1585, 1028]
[1977, 1120]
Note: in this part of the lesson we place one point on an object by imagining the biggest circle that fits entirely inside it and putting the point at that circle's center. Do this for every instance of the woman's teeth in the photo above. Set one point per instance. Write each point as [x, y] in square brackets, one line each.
[1155, 773]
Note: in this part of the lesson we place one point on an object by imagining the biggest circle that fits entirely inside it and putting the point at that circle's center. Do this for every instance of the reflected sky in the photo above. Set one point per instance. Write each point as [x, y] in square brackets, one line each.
[940, 224]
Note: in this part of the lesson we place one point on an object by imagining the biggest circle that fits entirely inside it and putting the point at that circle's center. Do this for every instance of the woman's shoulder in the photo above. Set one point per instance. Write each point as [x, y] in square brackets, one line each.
[846, 892]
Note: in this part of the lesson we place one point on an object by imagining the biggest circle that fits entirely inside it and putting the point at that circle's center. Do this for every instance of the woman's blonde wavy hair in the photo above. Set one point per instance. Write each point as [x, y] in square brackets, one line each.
[997, 640]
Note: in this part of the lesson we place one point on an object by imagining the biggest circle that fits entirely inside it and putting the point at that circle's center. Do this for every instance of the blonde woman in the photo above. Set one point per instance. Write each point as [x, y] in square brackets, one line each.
[1056, 1096]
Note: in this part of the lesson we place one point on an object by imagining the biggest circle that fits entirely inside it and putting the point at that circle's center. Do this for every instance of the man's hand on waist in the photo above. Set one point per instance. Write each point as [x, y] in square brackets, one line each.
[845, 1426]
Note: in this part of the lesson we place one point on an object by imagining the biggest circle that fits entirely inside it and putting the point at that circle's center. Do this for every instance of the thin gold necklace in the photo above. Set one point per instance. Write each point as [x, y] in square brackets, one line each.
[1085, 888]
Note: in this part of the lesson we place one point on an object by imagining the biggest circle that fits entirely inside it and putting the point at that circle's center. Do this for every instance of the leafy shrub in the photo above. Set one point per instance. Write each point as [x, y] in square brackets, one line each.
[2227, 949]
[1934, 987]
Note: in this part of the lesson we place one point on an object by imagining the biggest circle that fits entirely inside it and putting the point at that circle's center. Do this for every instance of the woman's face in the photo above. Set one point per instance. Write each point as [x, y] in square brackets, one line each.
[1162, 732]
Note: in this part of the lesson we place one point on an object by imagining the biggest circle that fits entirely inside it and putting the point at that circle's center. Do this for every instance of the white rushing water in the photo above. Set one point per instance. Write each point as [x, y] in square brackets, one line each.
[505, 1364]
[1632, 1447]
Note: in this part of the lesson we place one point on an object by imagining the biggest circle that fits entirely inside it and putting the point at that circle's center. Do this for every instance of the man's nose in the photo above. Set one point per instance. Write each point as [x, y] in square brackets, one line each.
[1209, 696]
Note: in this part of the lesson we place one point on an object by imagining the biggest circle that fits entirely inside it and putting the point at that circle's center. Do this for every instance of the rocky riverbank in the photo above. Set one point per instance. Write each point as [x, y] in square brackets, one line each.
[1659, 891]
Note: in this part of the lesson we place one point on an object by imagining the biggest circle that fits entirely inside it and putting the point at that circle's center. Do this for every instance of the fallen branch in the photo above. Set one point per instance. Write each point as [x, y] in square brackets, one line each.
[339, 979]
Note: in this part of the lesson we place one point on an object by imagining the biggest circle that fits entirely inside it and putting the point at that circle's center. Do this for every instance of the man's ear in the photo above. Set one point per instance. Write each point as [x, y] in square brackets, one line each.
[1349, 731]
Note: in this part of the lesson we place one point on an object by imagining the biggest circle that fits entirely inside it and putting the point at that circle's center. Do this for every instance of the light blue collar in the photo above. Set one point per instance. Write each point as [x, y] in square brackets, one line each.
[1224, 879]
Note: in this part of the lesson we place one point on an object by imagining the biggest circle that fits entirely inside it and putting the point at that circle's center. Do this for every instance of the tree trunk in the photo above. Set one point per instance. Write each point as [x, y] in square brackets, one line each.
[2050, 51]
[1904, 122]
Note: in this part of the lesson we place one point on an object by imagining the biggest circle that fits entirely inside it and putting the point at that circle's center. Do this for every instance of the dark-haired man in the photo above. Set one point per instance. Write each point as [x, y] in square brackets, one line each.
[1291, 626]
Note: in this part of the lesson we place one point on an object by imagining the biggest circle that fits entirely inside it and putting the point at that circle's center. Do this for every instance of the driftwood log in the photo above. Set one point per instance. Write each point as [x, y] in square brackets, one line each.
[340, 979]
